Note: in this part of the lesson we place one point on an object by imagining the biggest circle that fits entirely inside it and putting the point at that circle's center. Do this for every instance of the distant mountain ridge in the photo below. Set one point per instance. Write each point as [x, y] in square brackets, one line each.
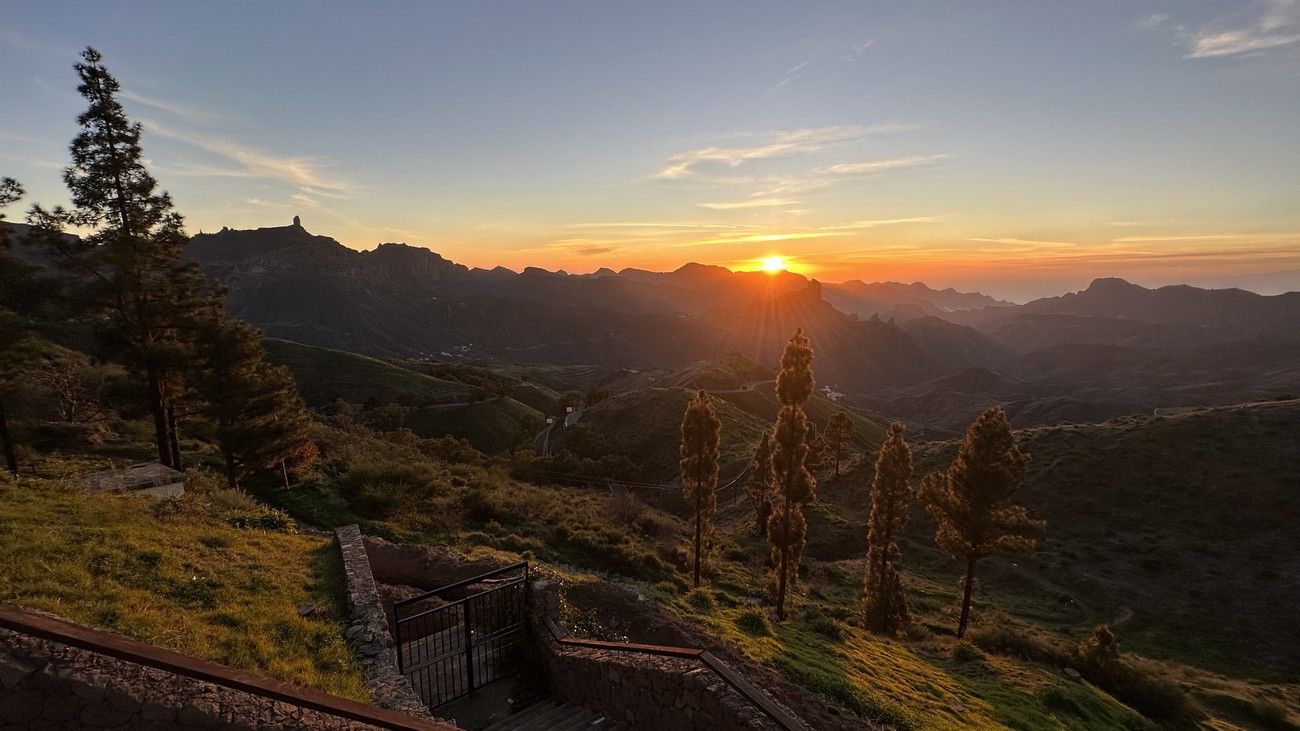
[1110, 349]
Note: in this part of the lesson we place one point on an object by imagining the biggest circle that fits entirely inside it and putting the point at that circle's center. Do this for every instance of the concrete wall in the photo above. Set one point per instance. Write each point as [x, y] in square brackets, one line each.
[46, 685]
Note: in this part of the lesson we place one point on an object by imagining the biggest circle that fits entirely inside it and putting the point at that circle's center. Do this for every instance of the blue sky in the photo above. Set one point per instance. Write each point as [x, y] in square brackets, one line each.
[1021, 148]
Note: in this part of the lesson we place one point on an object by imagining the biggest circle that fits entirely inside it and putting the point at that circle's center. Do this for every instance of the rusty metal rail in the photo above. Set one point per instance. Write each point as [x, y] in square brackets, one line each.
[122, 648]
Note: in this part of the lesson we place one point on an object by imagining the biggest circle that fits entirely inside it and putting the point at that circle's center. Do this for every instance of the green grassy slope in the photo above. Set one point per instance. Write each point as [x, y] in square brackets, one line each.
[491, 426]
[182, 578]
[761, 402]
[325, 375]
[1178, 530]
[646, 426]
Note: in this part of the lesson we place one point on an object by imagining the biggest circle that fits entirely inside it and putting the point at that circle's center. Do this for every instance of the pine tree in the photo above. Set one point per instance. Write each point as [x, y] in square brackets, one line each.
[839, 430]
[885, 608]
[259, 418]
[971, 500]
[795, 485]
[699, 465]
[761, 480]
[17, 342]
[130, 266]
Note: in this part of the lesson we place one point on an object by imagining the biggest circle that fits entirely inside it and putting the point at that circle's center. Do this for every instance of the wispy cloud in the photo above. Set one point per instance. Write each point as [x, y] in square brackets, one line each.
[877, 223]
[1274, 24]
[881, 166]
[790, 75]
[252, 163]
[1285, 235]
[183, 111]
[1022, 242]
[772, 144]
[752, 203]
[672, 225]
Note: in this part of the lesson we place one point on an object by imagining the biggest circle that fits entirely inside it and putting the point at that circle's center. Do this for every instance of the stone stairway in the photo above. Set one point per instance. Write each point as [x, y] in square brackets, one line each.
[551, 715]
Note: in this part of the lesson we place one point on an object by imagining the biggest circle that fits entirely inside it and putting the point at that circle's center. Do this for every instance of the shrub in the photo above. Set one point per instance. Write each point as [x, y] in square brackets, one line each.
[965, 652]
[754, 623]
[1134, 682]
[825, 626]
[702, 601]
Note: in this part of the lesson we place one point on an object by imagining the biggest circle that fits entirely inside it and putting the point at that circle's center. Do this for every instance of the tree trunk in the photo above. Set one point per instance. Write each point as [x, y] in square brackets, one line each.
[284, 470]
[965, 600]
[232, 477]
[785, 556]
[884, 561]
[699, 536]
[156, 407]
[11, 459]
[173, 437]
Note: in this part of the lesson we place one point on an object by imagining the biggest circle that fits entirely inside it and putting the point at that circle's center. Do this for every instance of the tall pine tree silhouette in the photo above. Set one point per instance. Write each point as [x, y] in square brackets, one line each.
[699, 465]
[885, 608]
[259, 417]
[761, 480]
[795, 485]
[971, 501]
[129, 267]
[18, 295]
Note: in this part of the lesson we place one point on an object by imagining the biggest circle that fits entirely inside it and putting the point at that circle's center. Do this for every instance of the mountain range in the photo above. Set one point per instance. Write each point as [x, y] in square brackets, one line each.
[933, 357]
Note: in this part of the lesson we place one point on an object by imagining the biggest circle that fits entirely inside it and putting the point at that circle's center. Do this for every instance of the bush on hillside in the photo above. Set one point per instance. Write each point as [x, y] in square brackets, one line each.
[1135, 682]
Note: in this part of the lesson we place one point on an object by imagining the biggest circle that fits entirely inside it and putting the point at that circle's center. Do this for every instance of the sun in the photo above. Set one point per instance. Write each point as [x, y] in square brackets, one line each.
[772, 264]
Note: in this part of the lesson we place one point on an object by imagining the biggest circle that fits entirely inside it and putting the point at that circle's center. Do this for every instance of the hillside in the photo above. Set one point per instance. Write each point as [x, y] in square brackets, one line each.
[1177, 529]
[435, 406]
[184, 578]
[646, 426]
[325, 375]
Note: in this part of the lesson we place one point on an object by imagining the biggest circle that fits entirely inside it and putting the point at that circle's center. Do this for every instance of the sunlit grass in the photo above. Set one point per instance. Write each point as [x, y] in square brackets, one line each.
[186, 581]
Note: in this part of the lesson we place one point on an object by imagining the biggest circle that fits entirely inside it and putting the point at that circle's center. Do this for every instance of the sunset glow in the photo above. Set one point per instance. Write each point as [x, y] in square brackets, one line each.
[868, 141]
[773, 264]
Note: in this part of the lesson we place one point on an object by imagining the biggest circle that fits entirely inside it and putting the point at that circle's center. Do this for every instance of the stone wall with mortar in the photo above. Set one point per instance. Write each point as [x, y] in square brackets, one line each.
[46, 685]
[368, 630]
[641, 690]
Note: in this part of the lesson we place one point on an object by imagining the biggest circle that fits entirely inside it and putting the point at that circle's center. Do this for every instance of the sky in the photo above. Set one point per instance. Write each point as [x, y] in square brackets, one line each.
[1021, 149]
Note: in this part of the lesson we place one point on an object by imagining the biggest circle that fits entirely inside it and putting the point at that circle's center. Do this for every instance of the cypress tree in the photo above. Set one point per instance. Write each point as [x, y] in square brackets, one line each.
[760, 483]
[795, 485]
[129, 268]
[699, 465]
[971, 501]
[259, 418]
[839, 430]
[885, 608]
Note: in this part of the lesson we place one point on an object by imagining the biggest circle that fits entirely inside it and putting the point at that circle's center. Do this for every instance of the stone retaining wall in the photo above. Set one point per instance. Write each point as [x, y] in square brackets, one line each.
[641, 690]
[368, 631]
[46, 685]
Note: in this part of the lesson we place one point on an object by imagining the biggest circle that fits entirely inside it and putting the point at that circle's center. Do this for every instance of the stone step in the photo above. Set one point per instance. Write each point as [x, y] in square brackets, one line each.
[523, 718]
[550, 715]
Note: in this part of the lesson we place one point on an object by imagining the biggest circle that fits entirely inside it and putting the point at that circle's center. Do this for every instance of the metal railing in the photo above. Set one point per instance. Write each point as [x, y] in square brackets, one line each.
[449, 650]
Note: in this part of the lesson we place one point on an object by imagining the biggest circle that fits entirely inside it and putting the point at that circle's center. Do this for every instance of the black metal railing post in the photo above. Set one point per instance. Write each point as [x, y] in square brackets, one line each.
[469, 650]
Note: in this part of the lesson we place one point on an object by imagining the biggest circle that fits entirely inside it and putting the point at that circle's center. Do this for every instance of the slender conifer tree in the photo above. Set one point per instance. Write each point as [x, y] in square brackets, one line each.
[699, 465]
[971, 501]
[795, 485]
[839, 430]
[885, 608]
[760, 488]
[129, 268]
